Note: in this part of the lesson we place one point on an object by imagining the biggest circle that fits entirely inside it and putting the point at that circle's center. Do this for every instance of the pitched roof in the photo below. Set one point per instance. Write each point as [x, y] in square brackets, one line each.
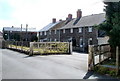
[89, 20]
[59, 25]
[19, 29]
[69, 24]
[49, 26]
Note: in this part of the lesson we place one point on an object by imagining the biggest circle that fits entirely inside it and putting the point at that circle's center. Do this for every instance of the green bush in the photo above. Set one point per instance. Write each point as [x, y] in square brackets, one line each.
[103, 70]
[112, 73]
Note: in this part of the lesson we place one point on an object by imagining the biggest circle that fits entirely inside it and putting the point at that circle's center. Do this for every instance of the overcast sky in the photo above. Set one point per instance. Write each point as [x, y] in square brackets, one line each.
[39, 13]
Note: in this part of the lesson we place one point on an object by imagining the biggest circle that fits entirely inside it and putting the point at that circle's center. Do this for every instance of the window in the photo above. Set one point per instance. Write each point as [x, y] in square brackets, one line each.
[89, 29]
[50, 39]
[55, 31]
[71, 30]
[90, 41]
[55, 40]
[81, 42]
[45, 33]
[80, 30]
[37, 34]
[63, 30]
[50, 32]
[40, 33]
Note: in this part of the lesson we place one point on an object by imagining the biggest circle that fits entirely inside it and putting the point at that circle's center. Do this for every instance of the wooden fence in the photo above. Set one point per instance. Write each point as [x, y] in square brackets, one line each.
[98, 54]
[40, 47]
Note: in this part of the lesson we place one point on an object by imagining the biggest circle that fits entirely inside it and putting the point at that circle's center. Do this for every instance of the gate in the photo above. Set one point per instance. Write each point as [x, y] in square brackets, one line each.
[50, 48]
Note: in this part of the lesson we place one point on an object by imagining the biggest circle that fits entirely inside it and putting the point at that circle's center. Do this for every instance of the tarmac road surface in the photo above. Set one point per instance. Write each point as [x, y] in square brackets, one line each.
[17, 65]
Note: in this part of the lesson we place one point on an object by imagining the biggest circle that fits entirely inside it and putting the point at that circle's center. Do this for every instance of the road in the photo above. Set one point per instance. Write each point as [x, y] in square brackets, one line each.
[16, 65]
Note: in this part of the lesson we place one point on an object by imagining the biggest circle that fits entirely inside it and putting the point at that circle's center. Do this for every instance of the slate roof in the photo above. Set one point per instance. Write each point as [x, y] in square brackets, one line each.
[49, 26]
[59, 25]
[89, 20]
[69, 25]
[19, 29]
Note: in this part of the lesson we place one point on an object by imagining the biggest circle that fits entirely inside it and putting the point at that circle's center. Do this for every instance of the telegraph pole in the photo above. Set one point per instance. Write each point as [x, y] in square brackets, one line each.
[26, 31]
[21, 33]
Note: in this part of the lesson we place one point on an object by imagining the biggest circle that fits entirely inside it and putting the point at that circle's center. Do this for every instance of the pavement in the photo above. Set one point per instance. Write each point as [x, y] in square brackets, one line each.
[17, 65]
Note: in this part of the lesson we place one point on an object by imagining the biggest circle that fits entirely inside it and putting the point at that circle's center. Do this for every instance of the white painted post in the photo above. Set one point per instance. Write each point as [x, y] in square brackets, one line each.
[70, 47]
[31, 49]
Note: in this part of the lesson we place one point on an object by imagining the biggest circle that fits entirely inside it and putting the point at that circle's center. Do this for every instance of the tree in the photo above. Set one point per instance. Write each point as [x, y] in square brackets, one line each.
[5, 36]
[112, 24]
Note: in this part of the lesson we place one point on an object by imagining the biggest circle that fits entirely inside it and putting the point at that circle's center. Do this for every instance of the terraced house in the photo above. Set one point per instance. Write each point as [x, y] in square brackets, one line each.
[80, 31]
[51, 32]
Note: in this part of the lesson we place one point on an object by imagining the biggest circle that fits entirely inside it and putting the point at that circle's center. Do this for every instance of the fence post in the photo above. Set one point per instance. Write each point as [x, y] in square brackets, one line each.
[117, 60]
[91, 58]
[31, 49]
[16, 44]
[70, 47]
[99, 54]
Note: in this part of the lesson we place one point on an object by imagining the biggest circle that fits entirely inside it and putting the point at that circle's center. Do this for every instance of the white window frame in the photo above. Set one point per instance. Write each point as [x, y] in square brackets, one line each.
[80, 30]
[90, 39]
[50, 32]
[90, 29]
[37, 34]
[55, 31]
[63, 30]
[71, 30]
[40, 33]
[45, 33]
[81, 40]
[55, 40]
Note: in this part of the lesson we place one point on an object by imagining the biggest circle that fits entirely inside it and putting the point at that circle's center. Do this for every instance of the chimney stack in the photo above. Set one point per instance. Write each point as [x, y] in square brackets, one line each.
[79, 13]
[60, 19]
[69, 17]
[54, 20]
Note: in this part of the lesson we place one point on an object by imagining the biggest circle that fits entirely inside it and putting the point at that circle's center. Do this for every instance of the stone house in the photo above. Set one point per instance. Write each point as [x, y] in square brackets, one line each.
[45, 32]
[81, 30]
[51, 32]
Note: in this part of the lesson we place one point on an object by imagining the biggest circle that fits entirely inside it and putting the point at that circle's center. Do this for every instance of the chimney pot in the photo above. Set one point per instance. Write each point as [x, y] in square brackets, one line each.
[54, 20]
[60, 20]
[69, 16]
